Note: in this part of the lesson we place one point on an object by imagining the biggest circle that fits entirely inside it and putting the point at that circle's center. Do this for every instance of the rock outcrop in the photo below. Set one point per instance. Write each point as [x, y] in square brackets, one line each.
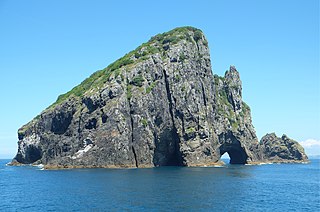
[282, 149]
[158, 105]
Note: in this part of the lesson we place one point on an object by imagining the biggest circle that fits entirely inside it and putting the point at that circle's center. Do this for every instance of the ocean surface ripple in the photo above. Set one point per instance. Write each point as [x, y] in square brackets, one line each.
[270, 187]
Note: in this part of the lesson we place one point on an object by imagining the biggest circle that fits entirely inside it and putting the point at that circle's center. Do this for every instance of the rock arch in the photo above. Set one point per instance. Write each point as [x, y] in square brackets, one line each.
[233, 147]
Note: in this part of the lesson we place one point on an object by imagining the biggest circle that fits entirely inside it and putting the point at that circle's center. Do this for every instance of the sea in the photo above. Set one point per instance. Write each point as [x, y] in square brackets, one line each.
[268, 187]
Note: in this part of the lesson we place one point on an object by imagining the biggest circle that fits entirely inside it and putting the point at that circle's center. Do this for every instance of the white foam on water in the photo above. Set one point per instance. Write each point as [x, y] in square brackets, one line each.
[40, 166]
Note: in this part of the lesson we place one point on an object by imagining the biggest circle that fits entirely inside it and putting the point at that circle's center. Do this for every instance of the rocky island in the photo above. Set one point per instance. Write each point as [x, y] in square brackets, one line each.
[159, 105]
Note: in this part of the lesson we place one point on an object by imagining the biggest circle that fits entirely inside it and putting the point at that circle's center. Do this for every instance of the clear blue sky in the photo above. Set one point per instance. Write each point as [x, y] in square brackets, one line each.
[48, 47]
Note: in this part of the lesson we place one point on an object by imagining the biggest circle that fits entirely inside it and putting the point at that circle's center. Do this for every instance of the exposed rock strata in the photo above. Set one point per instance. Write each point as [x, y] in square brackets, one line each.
[158, 105]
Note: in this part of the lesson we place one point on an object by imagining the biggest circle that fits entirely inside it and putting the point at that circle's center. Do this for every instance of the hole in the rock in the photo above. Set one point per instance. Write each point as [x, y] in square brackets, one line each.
[236, 155]
[225, 157]
[232, 146]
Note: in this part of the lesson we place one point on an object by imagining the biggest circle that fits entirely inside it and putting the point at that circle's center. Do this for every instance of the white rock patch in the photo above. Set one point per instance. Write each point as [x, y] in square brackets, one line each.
[80, 153]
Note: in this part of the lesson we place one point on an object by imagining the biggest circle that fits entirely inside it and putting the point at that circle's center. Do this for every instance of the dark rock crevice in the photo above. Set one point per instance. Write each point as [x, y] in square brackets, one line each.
[135, 157]
[169, 97]
[132, 138]
[175, 158]
[90, 104]
[104, 117]
[180, 115]
[204, 95]
[197, 45]
[79, 130]
[231, 100]
[132, 132]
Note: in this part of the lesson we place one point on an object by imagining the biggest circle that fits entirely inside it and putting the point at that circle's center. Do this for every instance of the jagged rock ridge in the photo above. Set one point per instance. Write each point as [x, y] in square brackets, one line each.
[282, 149]
[158, 105]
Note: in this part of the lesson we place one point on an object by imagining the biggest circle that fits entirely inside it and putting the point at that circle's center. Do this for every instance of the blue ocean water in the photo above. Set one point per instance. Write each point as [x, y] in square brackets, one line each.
[276, 187]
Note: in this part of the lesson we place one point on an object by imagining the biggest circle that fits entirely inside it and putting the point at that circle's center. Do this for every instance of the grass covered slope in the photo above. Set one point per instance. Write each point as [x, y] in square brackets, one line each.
[155, 45]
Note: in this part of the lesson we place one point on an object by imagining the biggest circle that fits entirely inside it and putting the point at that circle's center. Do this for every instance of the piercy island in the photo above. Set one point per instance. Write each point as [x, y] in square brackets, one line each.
[159, 105]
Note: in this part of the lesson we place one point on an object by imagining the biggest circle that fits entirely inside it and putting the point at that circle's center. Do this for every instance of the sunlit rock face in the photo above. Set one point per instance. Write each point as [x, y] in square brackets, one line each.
[158, 105]
[282, 149]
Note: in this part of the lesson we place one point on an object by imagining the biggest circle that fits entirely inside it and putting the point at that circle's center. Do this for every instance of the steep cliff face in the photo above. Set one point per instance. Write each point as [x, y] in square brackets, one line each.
[158, 105]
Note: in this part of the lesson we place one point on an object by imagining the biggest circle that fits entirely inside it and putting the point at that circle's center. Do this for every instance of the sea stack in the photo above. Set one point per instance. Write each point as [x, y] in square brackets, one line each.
[159, 105]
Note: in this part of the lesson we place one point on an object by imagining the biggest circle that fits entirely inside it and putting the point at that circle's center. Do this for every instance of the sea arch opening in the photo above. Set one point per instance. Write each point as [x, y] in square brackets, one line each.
[236, 153]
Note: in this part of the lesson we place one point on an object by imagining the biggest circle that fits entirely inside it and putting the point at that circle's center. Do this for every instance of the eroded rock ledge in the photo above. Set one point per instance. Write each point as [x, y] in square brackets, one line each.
[158, 105]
